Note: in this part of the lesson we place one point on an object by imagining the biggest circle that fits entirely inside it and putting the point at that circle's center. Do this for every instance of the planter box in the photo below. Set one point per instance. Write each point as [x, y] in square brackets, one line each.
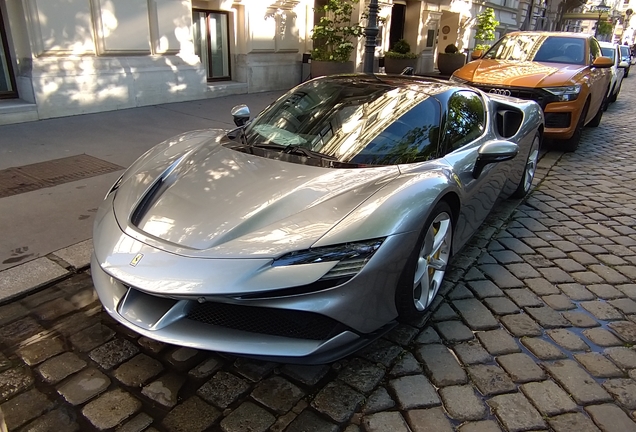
[324, 68]
[449, 63]
[397, 65]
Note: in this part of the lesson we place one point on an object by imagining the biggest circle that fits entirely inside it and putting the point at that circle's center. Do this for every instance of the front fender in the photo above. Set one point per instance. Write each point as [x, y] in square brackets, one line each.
[403, 205]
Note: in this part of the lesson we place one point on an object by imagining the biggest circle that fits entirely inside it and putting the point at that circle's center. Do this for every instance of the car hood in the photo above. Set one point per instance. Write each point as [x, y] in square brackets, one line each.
[216, 202]
[519, 74]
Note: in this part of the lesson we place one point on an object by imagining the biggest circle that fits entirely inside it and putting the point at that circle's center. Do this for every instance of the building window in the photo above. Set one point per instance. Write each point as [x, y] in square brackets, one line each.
[211, 42]
[7, 81]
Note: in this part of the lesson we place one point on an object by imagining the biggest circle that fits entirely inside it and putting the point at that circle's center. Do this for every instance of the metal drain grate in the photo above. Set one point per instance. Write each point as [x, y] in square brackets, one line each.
[27, 178]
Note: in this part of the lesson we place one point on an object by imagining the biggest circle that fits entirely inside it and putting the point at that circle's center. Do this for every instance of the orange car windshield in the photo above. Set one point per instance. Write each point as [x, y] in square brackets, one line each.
[540, 48]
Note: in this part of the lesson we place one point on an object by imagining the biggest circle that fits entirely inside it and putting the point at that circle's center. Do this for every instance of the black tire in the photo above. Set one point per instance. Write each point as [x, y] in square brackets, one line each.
[406, 289]
[613, 97]
[606, 100]
[525, 184]
[596, 120]
[572, 143]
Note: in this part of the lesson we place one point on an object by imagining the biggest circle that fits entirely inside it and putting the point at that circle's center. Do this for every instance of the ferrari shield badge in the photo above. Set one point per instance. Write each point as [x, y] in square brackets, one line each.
[136, 259]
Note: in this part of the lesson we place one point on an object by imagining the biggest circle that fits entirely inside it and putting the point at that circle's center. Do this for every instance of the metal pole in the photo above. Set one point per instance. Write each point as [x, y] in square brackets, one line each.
[598, 22]
[371, 33]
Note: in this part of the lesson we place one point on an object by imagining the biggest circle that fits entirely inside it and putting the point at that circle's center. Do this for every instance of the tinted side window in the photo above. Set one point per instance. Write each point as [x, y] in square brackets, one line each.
[465, 120]
[413, 137]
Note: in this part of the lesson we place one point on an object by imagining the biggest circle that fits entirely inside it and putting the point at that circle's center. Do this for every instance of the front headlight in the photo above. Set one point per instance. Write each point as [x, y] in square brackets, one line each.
[565, 94]
[351, 257]
[115, 186]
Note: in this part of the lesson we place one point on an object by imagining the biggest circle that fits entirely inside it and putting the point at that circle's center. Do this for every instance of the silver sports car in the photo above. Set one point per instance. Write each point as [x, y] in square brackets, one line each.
[310, 230]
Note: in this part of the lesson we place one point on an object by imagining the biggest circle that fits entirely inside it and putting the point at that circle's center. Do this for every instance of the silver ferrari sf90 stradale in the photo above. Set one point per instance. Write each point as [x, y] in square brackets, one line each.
[310, 230]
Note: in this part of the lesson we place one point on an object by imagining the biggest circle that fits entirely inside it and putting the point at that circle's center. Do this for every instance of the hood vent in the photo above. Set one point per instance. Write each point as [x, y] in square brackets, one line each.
[153, 193]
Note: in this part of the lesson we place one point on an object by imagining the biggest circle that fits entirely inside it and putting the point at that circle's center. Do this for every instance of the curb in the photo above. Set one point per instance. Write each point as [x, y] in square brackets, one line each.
[31, 276]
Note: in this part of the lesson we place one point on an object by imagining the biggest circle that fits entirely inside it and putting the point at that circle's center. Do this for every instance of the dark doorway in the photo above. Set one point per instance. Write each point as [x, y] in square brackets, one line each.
[211, 42]
[7, 80]
[398, 17]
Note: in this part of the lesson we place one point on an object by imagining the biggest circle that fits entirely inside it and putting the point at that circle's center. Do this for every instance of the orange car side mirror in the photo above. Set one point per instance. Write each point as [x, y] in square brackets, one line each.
[476, 54]
[603, 62]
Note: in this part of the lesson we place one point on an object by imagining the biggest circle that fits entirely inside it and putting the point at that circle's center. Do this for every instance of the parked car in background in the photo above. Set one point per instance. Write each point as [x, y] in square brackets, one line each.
[626, 56]
[566, 73]
[613, 51]
[306, 233]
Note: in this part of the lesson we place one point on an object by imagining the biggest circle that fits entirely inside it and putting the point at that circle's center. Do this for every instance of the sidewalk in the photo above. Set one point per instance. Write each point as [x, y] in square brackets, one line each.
[35, 224]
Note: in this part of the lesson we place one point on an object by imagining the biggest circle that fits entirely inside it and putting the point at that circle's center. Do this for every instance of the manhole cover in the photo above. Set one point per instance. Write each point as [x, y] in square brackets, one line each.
[13, 182]
[17, 180]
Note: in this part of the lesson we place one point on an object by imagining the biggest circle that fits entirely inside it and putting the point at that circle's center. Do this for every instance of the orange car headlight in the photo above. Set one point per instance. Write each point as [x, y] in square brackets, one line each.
[565, 94]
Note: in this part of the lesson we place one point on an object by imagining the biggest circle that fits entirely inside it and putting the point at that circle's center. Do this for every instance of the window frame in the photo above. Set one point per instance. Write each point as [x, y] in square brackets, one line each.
[4, 46]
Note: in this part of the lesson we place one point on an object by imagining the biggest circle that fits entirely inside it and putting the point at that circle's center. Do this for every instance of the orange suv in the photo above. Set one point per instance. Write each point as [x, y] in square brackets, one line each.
[564, 72]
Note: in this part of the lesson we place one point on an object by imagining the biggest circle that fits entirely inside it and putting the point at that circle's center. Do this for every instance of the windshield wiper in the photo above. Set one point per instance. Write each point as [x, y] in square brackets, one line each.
[302, 151]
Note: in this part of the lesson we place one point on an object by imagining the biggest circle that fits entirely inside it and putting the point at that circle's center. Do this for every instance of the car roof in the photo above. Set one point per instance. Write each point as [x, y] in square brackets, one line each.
[608, 44]
[430, 86]
[557, 34]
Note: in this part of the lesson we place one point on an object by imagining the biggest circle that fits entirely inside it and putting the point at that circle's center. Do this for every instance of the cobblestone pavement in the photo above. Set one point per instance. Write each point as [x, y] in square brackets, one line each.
[534, 330]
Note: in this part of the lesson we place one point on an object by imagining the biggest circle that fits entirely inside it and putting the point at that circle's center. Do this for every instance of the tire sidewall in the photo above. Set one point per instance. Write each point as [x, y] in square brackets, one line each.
[521, 188]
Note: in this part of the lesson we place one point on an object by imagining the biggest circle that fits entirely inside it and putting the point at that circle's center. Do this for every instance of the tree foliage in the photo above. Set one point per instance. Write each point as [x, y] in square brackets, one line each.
[485, 29]
[605, 28]
[333, 35]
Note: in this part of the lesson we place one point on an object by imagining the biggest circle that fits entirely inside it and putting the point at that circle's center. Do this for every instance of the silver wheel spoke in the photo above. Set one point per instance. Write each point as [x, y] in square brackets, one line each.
[438, 264]
[432, 261]
[531, 165]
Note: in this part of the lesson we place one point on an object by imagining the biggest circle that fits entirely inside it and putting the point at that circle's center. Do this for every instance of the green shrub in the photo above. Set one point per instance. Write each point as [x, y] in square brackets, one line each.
[451, 49]
[401, 50]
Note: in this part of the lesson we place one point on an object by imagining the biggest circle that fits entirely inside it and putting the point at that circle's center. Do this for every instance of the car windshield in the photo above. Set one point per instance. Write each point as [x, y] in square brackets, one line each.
[625, 52]
[608, 52]
[351, 120]
[540, 48]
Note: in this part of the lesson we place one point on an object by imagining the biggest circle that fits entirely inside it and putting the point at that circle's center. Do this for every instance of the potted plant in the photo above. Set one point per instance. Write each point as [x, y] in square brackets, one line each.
[333, 38]
[485, 31]
[399, 57]
[450, 60]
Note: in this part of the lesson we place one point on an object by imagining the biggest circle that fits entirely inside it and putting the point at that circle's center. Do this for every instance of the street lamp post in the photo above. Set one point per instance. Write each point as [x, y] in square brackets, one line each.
[371, 33]
[602, 7]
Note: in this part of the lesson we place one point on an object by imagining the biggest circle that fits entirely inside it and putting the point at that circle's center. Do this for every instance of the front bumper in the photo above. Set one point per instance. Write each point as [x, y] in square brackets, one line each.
[560, 117]
[234, 305]
[176, 328]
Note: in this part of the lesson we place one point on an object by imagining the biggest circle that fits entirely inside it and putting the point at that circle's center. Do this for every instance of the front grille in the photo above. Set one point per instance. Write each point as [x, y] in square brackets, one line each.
[275, 322]
[538, 95]
[558, 120]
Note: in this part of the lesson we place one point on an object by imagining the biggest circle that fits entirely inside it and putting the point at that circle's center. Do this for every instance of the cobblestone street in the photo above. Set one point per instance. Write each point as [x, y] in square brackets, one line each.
[534, 330]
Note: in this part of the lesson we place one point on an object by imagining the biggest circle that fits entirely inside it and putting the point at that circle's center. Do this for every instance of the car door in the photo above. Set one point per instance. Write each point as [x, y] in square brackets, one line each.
[599, 79]
[463, 133]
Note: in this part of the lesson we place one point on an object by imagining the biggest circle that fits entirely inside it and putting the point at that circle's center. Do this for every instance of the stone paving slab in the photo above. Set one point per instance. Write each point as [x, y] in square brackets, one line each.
[534, 329]
[29, 276]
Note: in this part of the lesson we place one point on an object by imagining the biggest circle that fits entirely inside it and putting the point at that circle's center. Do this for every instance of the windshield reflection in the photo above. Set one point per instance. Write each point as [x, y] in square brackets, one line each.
[353, 120]
[539, 48]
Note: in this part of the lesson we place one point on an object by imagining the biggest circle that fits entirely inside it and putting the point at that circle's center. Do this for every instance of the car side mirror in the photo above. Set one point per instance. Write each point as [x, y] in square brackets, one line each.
[494, 152]
[241, 115]
[603, 62]
[475, 55]
[623, 65]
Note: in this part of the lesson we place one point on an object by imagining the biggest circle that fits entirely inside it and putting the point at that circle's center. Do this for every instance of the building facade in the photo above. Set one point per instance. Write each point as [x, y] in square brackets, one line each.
[66, 57]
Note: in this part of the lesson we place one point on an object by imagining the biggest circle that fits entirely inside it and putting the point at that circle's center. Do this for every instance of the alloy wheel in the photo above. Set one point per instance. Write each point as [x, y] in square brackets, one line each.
[432, 261]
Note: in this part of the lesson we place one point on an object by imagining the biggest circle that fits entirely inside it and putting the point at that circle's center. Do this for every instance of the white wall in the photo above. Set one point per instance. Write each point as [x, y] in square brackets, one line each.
[79, 56]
